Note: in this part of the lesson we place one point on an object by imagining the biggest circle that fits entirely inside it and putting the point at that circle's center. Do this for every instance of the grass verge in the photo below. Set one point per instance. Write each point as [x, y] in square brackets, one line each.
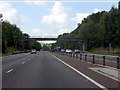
[104, 51]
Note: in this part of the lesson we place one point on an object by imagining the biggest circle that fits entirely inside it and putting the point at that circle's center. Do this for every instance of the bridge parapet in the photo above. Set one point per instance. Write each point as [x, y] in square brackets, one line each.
[52, 39]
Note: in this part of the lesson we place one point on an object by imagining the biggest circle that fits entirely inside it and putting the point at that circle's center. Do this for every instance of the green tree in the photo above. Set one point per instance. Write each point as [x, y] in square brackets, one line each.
[97, 30]
[11, 36]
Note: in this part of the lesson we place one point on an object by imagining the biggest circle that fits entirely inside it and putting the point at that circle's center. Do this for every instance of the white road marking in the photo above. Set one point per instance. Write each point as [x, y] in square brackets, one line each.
[9, 71]
[93, 81]
[113, 74]
[23, 63]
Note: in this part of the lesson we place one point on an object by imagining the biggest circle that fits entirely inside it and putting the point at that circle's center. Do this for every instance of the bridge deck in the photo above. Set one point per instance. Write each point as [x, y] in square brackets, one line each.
[52, 39]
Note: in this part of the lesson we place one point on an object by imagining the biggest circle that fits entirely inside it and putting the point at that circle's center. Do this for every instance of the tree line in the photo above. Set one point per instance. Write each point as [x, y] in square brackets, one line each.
[12, 39]
[100, 29]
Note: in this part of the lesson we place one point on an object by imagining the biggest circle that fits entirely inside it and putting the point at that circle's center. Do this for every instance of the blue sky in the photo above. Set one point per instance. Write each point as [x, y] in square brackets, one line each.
[43, 18]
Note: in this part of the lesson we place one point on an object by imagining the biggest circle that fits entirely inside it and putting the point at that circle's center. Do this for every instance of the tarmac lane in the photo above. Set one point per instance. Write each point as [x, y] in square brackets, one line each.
[42, 70]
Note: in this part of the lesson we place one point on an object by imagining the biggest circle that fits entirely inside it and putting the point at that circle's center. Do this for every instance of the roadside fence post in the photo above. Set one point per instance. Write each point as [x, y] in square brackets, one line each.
[73, 55]
[85, 57]
[80, 56]
[118, 62]
[76, 55]
[93, 59]
[104, 60]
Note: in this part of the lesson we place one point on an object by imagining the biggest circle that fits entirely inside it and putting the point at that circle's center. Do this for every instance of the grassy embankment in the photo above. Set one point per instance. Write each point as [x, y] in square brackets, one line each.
[8, 52]
[105, 51]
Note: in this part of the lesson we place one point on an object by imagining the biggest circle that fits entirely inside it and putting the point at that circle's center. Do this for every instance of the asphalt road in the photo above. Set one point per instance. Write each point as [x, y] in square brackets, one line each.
[40, 70]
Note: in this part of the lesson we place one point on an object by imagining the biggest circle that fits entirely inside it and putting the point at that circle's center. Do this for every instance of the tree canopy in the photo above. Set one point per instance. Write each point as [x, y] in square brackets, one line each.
[11, 35]
[97, 30]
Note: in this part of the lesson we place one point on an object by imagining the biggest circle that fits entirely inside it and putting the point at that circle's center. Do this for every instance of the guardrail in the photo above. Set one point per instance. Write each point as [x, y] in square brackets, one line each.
[97, 59]
[19, 52]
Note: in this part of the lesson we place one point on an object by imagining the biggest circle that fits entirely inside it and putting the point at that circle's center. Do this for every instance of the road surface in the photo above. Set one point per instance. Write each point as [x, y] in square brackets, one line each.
[40, 70]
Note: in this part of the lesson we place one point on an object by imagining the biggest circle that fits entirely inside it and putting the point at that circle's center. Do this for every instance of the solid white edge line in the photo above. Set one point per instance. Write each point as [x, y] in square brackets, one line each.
[93, 81]
[9, 71]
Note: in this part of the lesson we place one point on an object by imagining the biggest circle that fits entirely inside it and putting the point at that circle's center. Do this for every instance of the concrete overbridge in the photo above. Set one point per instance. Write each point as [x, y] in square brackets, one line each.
[52, 39]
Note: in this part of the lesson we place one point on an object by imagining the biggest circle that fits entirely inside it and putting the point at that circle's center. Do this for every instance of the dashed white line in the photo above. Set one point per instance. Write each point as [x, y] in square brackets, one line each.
[9, 71]
[23, 63]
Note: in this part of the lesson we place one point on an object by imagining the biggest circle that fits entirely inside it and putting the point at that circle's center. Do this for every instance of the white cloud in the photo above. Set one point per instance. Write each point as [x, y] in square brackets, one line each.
[40, 2]
[57, 17]
[64, 30]
[38, 33]
[79, 17]
[96, 10]
[7, 11]
[11, 14]
[69, 8]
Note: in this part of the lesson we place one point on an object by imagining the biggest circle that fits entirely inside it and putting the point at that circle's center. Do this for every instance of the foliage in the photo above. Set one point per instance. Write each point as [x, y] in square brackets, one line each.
[36, 45]
[12, 38]
[97, 30]
[46, 47]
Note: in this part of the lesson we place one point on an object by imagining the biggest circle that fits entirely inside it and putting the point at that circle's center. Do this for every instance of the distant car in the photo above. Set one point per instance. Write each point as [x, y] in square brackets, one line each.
[62, 50]
[77, 51]
[33, 51]
[68, 51]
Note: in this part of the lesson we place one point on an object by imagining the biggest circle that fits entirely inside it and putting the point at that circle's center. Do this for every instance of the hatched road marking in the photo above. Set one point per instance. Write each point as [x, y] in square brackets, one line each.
[111, 73]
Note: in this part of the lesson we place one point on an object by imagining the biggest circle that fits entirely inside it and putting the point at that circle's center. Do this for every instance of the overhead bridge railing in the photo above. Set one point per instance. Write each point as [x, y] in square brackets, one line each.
[51, 39]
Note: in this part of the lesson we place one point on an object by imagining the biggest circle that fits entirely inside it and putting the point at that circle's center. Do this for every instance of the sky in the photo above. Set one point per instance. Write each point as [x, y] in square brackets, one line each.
[50, 18]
